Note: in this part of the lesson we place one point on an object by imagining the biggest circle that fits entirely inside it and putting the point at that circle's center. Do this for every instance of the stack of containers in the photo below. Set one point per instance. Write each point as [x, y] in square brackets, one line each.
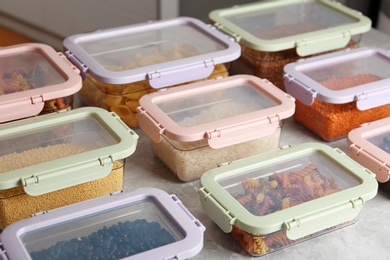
[275, 33]
[52, 160]
[122, 64]
[197, 126]
[35, 79]
[274, 200]
[146, 223]
[338, 92]
[369, 145]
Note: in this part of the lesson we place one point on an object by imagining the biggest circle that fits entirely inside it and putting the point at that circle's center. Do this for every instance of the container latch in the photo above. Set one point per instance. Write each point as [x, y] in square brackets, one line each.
[321, 221]
[57, 178]
[373, 99]
[222, 137]
[183, 74]
[21, 108]
[323, 43]
[299, 91]
[188, 213]
[150, 126]
[215, 211]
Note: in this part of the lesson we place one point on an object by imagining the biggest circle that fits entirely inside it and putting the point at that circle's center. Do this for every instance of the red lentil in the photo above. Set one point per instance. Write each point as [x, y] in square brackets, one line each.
[334, 121]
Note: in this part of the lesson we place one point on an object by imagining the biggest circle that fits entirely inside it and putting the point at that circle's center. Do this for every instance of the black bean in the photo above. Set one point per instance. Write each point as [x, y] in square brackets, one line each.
[117, 241]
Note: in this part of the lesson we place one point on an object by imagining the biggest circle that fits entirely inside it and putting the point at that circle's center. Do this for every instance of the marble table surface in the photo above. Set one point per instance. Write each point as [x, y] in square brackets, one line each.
[366, 239]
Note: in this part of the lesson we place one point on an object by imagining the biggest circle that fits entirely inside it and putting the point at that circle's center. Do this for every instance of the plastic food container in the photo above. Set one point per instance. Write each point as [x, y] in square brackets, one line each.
[197, 126]
[274, 33]
[35, 79]
[340, 91]
[122, 64]
[273, 200]
[369, 145]
[58, 159]
[146, 223]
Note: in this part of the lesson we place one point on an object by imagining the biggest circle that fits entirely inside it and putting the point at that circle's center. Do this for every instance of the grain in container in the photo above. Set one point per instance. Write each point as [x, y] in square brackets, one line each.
[275, 33]
[146, 223]
[274, 200]
[197, 126]
[35, 79]
[369, 145]
[338, 92]
[122, 64]
[57, 159]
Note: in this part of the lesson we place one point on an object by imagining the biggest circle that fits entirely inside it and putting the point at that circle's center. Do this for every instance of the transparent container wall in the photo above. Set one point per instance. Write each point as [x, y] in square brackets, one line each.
[287, 20]
[112, 234]
[55, 142]
[366, 67]
[123, 99]
[210, 106]
[381, 140]
[150, 46]
[288, 183]
[25, 71]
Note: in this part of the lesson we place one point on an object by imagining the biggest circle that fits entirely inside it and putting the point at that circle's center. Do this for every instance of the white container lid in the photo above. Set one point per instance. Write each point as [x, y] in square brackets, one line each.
[165, 52]
[370, 146]
[31, 74]
[360, 75]
[224, 111]
[146, 223]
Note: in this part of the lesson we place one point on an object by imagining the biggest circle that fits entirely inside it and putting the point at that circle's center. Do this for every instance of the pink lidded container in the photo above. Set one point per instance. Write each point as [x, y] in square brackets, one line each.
[35, 79]
[197, 126]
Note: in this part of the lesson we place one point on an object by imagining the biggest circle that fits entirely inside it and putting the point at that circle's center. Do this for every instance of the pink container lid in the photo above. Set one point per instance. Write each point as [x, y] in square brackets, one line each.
[31, 74]
[225, 111]
[369, 145]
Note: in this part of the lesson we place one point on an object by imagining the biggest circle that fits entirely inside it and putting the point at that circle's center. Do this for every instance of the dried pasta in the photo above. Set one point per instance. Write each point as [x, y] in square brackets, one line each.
[278, 192]
[107, 96]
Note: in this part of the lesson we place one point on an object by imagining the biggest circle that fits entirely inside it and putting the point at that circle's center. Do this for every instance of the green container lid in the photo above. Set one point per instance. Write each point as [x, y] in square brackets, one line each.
[310, 26]
[55, 151]
[338, 188]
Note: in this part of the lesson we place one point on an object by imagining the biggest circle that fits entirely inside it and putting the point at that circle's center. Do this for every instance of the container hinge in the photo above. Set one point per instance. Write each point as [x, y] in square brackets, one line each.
[357, 202]
[227, 31]
[128, 129]
[68, 62]
[39, 213]
[150, 126]
[224, 164]
[285, 147]
[37, 100]
[106, 160]
[116, 192]
[76, 62]
[339, 151]
[188, 213]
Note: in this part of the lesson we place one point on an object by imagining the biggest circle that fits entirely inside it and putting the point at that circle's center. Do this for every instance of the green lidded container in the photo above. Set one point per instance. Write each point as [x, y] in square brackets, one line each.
[276, 199]
[57, 159]
[275, 33]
